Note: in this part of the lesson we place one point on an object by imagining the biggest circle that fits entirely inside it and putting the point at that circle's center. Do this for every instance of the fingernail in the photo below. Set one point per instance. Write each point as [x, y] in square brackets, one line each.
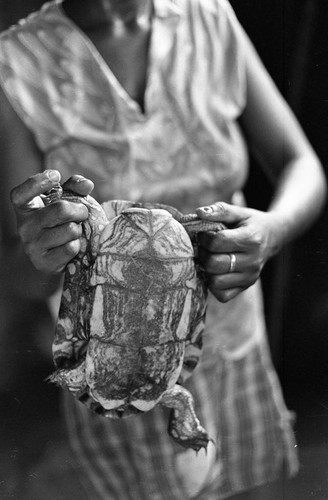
[53, 175]
[206, 210]
[81, 179]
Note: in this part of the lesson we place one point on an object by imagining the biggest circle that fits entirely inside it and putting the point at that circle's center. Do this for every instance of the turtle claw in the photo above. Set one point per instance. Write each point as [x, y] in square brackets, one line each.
[196, 439]
[71, 378]
[184, 426]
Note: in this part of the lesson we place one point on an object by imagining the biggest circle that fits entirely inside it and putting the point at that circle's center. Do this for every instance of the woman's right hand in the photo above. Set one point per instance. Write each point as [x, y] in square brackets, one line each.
[50, 234]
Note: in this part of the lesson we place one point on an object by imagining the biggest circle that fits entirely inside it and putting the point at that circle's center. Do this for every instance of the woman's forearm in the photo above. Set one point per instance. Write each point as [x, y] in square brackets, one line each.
[299, 198]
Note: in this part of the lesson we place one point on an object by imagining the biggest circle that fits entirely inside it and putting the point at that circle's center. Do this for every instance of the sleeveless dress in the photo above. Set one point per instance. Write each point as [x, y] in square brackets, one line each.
[184, 149]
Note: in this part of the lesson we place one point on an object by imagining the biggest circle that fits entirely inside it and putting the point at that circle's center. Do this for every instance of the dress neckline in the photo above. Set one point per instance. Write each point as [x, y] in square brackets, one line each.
[106, 69]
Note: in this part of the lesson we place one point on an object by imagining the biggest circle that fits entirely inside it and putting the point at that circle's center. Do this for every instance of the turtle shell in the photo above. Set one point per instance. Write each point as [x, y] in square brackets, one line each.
[132, 310]
[145, 282]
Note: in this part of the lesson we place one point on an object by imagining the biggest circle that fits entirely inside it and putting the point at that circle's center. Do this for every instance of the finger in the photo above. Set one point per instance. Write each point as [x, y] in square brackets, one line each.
[49, 239]
[79, 184]
[223, 263]
[59, 236]
[227, 240]
[21, 196]
[59, 257]
[223, 212]
[228, 280]
[225, 287]
[61, 212]
[226, 295]
[56, 259]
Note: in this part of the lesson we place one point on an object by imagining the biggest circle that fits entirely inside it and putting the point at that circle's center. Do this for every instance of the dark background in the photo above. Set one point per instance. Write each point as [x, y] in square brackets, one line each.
[292, 39]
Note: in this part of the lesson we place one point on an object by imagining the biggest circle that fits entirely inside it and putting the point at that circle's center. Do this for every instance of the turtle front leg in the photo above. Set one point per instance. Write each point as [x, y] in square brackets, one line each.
[184, 426]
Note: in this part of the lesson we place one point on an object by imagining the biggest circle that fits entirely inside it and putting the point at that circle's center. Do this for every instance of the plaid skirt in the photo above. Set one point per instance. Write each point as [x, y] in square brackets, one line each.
[238, 401]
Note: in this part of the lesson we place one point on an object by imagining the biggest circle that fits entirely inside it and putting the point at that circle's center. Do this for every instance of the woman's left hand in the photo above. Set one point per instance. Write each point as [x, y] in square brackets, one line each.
[234, 257]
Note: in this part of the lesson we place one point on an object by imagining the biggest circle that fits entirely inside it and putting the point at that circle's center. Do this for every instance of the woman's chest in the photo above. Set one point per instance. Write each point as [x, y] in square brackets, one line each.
[127, 58]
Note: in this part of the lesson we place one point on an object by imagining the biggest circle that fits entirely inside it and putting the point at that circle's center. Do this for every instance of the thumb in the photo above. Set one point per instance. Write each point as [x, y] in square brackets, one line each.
[79, 185]
[26, 196]
[222, 212]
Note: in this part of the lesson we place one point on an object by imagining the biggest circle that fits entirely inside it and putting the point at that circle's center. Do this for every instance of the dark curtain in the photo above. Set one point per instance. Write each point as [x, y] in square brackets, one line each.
[292, 39]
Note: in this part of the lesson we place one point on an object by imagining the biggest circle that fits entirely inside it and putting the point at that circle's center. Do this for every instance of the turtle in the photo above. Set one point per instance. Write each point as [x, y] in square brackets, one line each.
[132, 311]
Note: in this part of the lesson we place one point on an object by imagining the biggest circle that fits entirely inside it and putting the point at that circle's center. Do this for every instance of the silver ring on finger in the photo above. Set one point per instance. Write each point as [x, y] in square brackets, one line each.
[233, 261]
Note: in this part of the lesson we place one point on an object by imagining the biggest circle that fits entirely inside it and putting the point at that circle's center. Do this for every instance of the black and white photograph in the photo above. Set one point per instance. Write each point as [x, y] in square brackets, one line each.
[163, 250]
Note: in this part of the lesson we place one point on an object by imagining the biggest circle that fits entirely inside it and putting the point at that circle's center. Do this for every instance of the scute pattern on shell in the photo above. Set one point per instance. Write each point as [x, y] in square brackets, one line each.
[132, 313]
[73, 325]
[140, 379]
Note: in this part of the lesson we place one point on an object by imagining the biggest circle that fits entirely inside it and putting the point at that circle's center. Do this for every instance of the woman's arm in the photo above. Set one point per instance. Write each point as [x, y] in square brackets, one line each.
[20, 158]
[41, 232]
[274, 134]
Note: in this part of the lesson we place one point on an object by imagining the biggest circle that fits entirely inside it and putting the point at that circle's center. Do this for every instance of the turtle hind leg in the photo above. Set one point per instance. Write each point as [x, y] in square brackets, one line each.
[184, 426]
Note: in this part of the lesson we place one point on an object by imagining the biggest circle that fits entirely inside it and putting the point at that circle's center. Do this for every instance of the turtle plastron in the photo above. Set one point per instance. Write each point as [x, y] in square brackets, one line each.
[132, 314]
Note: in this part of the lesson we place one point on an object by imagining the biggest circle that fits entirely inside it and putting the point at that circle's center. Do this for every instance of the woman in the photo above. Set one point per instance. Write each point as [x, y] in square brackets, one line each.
[158, 101]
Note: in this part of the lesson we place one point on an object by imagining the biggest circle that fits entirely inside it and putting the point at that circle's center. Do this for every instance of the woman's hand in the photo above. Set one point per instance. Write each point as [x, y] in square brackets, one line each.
[234, 257]
[50, 234]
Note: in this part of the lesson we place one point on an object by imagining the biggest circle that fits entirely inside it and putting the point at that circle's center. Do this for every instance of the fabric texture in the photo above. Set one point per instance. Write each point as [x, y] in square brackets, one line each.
[184, 149]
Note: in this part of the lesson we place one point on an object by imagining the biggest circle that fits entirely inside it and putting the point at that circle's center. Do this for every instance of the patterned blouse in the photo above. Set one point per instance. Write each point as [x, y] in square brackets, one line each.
[184, 149]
